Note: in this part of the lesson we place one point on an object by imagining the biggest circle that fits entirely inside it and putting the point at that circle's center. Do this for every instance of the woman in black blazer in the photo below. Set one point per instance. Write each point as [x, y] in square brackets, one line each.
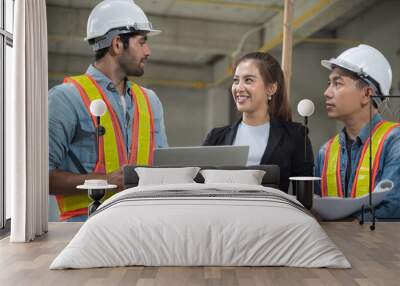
[259, 92]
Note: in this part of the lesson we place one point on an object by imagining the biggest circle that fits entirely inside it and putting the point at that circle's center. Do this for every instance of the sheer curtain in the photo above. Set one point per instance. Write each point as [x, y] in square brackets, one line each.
[26, 123]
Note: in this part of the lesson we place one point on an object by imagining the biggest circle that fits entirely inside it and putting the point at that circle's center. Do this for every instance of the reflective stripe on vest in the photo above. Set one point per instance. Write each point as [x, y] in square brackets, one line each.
[330, 180]
[111, 143]
[143, 146]
[331, 184]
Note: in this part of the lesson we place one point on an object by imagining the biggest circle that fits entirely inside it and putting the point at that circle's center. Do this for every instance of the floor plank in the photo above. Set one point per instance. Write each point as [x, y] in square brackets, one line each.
[374, 255]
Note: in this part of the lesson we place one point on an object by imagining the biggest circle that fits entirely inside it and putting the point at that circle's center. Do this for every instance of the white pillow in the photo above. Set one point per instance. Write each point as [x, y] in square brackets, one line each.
[164, 176]
[248, 177]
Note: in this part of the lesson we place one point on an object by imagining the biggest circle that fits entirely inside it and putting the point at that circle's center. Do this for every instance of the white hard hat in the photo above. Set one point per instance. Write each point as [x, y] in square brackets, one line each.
[119, 16]
[368, 63]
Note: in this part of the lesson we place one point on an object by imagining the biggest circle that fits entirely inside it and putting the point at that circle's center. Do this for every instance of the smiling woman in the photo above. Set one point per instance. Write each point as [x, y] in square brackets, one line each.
[259, 89]
[259, 92]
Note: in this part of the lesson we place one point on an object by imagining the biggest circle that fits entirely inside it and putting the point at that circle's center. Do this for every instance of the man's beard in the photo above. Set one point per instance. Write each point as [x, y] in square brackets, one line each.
[135, 72]
[131, 67]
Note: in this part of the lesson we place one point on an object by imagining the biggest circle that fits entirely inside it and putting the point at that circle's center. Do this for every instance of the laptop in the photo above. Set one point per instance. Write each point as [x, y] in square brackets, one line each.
[201, 156]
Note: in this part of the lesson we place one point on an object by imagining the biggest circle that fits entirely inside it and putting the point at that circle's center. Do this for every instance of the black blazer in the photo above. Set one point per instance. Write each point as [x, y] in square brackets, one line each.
[285, 148]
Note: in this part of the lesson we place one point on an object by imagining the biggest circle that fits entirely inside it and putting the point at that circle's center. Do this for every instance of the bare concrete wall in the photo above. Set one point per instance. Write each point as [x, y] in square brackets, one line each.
[309, 81]
[184, 113]
[379, 27]
[191, 113]
[217, 107]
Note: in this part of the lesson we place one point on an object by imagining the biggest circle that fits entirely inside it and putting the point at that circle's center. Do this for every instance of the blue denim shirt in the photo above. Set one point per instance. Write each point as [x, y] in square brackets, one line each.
[389, 167]
[71, 128]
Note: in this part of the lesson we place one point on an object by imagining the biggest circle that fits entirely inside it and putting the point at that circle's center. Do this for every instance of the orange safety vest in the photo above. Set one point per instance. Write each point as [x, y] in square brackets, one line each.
[331, 184]
[111, 149]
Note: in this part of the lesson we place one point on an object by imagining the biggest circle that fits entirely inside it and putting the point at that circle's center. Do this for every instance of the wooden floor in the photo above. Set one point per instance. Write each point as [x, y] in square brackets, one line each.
[374, 255]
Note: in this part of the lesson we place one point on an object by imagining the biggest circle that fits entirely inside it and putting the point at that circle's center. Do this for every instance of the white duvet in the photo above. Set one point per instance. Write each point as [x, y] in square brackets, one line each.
[206, 230]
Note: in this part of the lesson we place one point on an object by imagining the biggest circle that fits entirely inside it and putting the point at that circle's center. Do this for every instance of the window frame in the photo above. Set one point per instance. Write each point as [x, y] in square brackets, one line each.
[6, 39]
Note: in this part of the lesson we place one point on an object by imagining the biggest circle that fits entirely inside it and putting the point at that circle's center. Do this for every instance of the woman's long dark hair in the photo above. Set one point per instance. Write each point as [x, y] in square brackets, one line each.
[271, 72]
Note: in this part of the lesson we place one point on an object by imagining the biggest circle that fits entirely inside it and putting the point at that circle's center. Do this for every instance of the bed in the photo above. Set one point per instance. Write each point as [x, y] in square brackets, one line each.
[201, 224]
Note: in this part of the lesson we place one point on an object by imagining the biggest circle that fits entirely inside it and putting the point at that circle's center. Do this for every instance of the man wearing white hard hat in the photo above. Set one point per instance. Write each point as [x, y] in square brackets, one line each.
[343, 162]
[117, 30]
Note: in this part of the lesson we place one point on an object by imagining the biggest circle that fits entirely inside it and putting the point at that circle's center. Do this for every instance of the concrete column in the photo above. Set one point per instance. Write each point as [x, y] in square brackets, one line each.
[217, 107]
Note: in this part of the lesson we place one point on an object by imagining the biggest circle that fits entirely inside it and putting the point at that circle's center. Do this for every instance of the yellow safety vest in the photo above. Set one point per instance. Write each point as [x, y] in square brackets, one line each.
[331, 184]
[111, 149]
